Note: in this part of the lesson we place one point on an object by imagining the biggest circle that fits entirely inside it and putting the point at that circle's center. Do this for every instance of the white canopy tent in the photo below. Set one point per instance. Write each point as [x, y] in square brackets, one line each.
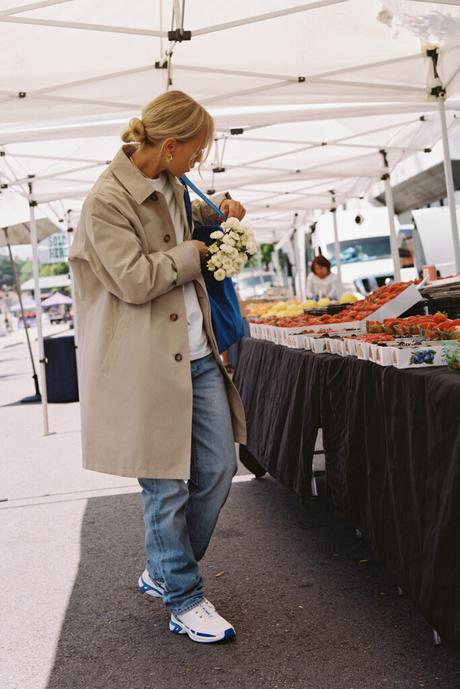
[366, 68]
[277, 51]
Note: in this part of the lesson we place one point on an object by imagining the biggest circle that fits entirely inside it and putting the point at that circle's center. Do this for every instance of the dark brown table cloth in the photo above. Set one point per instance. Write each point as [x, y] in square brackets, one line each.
[392, 445]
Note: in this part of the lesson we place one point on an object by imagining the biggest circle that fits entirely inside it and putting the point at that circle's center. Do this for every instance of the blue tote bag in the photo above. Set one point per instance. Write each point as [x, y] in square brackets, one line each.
[225, 310]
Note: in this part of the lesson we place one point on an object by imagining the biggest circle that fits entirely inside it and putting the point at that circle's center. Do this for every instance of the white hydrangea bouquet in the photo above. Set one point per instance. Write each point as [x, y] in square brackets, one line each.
[233, 246]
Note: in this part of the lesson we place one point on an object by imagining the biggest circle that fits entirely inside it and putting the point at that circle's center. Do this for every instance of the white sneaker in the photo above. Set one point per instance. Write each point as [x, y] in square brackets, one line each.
[150, 586]
[202, 623]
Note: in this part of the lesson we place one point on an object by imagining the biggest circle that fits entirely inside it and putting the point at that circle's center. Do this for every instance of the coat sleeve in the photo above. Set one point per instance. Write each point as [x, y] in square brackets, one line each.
[203, 214]
[115, 254]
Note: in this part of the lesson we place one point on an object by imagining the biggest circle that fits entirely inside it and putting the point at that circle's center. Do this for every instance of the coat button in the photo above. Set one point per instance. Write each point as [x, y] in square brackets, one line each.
[173, 316]
[178, 357]
[154, 196]
[167, 237]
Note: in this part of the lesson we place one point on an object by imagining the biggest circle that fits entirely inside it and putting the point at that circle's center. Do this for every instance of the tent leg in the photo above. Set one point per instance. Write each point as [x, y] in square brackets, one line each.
[301, 246]
[449, 183]
[389, 202]
[41, 349]
[338, 261]
[37, 397]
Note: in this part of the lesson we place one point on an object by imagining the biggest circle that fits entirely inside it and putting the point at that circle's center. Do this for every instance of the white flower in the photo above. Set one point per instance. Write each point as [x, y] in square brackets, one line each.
[231, 223]
[214, 263]
[251, 248]
[220, 275]
[234, 235]
[211, 266]
[227, 249]
[227, 264]
[228, 240]
[214, 248]
[217, 234]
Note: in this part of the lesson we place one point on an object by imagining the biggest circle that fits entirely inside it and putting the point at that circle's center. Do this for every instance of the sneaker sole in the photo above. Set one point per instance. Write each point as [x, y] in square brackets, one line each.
[177, 627]
[147, 590]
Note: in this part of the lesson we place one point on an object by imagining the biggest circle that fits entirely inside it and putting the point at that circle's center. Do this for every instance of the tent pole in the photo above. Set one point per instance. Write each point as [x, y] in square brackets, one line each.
[389, 202]
[72, 284]
[338, 261]
[41, 349]
[17, 284]
[391, 220]
[302, 262]
[449, 183]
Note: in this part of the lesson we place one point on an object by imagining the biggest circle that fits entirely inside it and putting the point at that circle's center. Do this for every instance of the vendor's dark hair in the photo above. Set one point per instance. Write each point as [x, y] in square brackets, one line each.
[320, 261]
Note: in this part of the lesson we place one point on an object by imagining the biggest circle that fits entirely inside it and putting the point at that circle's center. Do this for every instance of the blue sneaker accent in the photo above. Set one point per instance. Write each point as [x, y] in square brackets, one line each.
[150, 586]
[176, 628]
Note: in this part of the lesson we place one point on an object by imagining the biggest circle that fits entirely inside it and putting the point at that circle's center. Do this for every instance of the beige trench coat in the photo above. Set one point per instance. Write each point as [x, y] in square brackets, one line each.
[133, 360]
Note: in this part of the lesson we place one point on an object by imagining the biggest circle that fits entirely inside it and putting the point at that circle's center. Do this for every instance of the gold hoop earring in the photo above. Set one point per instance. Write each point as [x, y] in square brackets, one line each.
[169, 158]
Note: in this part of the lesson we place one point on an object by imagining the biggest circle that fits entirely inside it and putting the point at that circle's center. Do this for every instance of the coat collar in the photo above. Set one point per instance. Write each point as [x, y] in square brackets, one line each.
[132, 178]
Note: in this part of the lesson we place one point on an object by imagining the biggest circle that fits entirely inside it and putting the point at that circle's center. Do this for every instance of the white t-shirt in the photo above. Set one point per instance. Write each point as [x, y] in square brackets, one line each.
[198, 340]
[322, 287]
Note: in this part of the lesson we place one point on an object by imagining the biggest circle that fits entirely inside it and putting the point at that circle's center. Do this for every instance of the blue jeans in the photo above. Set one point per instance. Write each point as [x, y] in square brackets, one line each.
[180, 516]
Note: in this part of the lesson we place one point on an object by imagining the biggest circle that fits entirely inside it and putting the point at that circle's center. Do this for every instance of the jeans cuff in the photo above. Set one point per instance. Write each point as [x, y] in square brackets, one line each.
[187, 607]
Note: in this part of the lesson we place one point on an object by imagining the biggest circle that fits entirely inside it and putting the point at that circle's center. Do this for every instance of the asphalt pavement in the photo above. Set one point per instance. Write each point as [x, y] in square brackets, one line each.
[312, 607]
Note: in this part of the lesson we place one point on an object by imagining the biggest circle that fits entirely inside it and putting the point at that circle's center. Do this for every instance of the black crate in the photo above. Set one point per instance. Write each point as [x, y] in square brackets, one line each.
[451, 307]
[61, 369]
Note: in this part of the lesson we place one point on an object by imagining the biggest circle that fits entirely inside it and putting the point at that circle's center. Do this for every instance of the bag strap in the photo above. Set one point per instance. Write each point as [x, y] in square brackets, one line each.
[185, 180]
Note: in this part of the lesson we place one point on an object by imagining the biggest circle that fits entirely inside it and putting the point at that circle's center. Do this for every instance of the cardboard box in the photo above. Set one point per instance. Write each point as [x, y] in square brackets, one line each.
[318, 344]
[395, 307]
[381, 355]
[350, 346]
[295, 341]
[418, 356]
[362, 350]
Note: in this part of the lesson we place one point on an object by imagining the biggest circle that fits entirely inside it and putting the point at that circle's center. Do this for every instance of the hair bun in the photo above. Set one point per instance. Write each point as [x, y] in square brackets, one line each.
[135, 131]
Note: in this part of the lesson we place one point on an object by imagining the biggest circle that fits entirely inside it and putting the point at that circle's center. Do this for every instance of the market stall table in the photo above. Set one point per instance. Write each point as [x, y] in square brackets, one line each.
[392, 445]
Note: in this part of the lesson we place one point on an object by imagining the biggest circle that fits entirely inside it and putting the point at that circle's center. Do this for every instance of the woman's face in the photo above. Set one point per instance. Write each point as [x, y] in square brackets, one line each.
[185, 155]
[321, 271]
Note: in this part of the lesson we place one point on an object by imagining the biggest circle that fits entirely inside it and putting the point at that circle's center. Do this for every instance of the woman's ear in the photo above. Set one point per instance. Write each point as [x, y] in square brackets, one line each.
[169, 146]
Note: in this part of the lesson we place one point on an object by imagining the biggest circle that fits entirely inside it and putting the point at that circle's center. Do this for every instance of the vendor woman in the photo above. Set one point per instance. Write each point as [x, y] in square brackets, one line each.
[321, 282]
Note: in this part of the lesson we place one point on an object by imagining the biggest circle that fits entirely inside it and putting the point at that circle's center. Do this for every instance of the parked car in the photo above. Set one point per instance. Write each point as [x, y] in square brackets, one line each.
[253, 284]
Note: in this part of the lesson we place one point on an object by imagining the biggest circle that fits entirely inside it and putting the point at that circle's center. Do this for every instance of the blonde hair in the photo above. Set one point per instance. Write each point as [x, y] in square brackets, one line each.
[173, 114]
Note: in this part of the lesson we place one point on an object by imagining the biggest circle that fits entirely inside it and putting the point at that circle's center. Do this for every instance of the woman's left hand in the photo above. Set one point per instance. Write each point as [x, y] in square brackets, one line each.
[233, 209]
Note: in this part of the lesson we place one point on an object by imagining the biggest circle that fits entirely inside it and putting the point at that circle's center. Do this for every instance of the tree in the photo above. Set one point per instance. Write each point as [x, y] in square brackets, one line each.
[6, 271]
[54, 269]
[266, 251]
[25, 269]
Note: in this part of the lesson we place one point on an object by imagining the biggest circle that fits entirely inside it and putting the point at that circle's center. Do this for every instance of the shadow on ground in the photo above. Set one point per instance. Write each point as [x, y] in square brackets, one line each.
[312, 608]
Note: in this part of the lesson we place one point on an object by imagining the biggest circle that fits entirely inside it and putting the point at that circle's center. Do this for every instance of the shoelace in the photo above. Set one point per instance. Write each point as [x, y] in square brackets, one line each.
[208, 605]
[205, 609]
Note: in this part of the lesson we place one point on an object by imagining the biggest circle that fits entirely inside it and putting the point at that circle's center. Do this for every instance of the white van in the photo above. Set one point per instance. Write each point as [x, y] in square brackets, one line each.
[364, 247]
[433, 243]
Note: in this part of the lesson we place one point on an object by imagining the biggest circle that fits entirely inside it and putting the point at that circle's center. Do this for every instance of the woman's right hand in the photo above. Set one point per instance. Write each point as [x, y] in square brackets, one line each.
[202, 248]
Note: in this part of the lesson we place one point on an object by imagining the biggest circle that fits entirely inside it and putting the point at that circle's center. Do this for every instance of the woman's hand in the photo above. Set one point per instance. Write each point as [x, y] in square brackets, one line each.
[232, 209]
[202, 248]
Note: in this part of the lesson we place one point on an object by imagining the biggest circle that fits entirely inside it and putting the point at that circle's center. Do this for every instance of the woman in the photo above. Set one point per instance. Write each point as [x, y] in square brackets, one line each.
[156, 402]
[321, 282]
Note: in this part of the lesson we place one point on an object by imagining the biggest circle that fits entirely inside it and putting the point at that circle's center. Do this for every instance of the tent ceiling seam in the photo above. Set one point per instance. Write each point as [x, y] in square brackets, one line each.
[264, 17]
